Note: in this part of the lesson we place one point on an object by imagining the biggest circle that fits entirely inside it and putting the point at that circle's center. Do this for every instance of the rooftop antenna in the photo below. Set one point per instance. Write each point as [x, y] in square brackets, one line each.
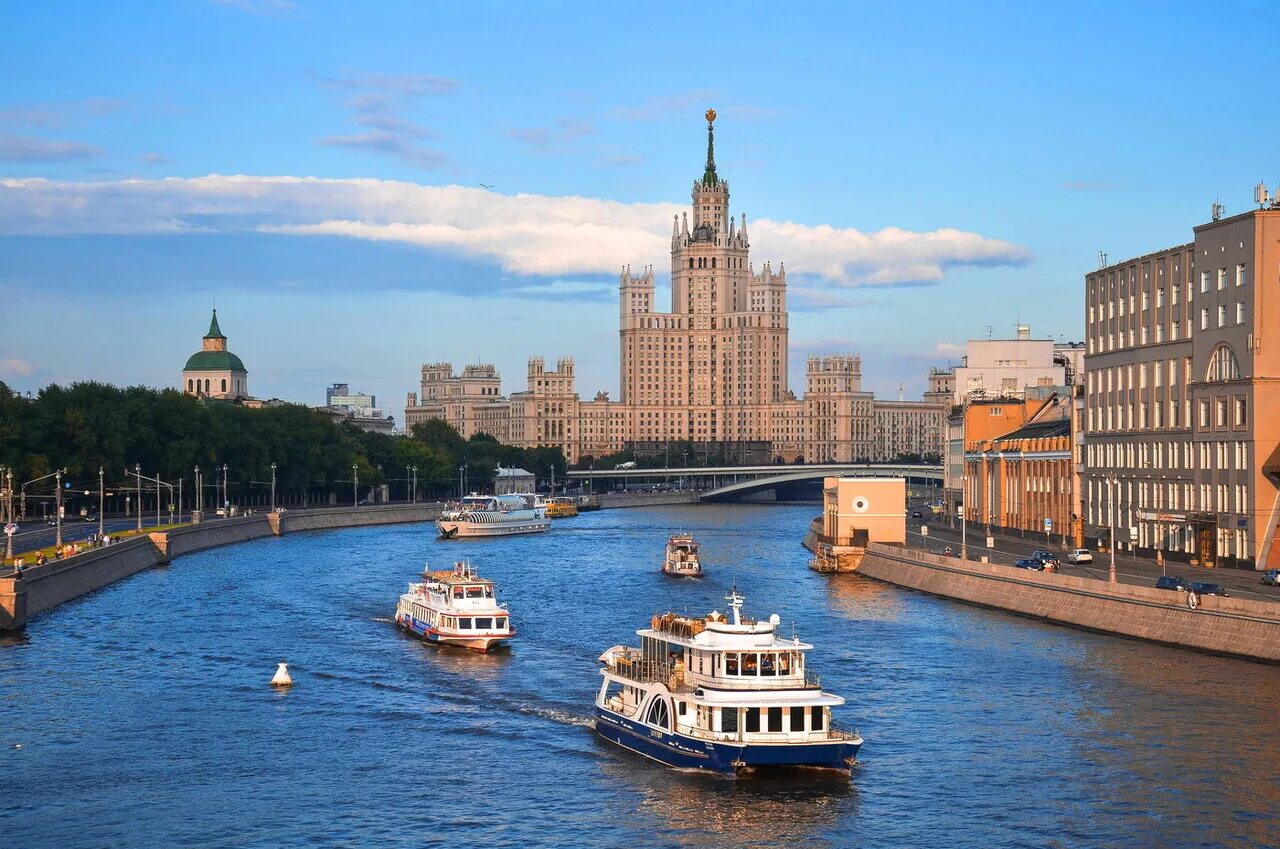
[901, 397]
[1102, 259]
[989, 330]
[1217, 209]
[1261, 196]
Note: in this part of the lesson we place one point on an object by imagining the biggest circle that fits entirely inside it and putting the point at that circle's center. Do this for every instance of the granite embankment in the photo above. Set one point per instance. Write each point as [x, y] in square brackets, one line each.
[646, 499]
[1233, 626]
[45, 587]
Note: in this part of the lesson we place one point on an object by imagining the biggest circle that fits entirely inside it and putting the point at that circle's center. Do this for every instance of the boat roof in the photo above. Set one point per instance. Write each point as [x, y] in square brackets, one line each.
[715, 631]
[772, 698]
[461, 573]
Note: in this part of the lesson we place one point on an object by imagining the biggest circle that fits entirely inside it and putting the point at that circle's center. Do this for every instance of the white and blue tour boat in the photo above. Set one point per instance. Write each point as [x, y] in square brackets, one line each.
[720, 693]
[455, 607]
[493, 516]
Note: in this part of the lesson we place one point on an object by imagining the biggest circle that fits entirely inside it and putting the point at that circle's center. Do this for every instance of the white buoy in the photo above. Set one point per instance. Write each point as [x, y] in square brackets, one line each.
[282, 678]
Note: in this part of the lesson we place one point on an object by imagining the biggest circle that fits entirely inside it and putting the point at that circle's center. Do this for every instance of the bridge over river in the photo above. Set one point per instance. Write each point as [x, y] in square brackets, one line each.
[735, 483]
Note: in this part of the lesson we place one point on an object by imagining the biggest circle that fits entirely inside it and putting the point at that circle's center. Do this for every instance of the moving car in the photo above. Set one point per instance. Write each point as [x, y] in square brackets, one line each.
[1206, 588]
[1171, 582]
[1046, 557]
[916, 514]
[1028, 563]
[1080, 555]
[1271, 577]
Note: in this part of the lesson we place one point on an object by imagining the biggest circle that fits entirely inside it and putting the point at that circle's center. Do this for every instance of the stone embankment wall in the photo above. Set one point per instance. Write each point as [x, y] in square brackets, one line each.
[647, 499]
[1221, 625]
[45, 587]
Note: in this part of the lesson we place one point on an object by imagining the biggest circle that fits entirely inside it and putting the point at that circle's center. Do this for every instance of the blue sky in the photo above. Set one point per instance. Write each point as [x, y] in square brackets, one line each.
[924, 171]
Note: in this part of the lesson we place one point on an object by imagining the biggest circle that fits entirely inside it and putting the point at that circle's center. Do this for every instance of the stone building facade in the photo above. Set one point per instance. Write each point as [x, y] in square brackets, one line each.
[712, 369]
[1181, 389]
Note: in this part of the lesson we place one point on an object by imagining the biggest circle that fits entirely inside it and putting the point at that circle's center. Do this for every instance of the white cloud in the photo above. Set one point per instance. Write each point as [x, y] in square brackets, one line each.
[949, 349]
[15, 368]
[525, 233]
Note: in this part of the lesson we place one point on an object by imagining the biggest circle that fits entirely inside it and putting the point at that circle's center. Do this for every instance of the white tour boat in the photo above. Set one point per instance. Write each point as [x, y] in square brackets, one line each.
[456, 607]
[720, 693]
[682, 557]
[492, 516]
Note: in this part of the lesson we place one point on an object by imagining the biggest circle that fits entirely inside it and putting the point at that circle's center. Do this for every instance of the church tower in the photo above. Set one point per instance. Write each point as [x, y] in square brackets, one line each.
[213, 371]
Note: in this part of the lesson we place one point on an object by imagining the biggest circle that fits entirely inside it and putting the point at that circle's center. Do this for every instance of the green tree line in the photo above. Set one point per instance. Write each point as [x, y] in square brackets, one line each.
[87, 426]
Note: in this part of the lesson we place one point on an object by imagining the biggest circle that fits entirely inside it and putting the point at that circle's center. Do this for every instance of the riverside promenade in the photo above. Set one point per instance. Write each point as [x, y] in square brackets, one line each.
[42, 588]
[1232, 626]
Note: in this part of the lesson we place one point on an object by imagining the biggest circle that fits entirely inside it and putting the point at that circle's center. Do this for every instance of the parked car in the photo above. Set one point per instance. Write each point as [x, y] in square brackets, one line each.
[1271, 577]
[1048, 558]
[1171, 582]
[1080, 555]
[1206, 588]
[1028, 563]
[916, 514]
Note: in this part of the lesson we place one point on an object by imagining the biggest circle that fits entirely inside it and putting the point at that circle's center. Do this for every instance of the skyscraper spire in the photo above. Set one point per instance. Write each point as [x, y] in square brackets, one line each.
[709, 177]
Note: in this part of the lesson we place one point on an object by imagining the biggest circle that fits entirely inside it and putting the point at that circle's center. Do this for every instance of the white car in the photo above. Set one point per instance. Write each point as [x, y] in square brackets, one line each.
[1080, 555]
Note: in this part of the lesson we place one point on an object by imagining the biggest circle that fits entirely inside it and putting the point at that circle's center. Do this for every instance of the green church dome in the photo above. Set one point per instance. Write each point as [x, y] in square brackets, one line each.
[214, 361]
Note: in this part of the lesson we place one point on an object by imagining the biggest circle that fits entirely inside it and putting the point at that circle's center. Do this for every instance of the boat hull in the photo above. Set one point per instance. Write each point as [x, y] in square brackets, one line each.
[463, 529]
[679, 750]
[676, 574]
[480, 643]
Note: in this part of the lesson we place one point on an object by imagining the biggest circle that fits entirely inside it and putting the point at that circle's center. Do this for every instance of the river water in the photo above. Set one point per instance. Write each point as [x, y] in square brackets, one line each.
[141, 715]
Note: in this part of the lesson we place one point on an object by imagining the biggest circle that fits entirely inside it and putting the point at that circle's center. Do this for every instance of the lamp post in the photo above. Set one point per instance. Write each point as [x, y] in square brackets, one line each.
[371, 498]
[964, 517]
[415, 484]
[355, 485]
[197, 503]
[137, 472]
[1111, 543]
[460, 468]
[158, 482]
[102, 500]
[273, 487]
[8, 490]
[407, 480]
[226, 494]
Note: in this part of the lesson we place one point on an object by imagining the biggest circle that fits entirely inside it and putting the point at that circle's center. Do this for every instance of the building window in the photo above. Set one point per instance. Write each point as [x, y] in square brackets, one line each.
[1239, 312]
[1204, 281]
[1223, 365]
[1222, 315]
[1220, 408]
[1241, 411]
[1204, 318]
[1240, 274]
[1204, 415]
[190, 385]
[1222, 278]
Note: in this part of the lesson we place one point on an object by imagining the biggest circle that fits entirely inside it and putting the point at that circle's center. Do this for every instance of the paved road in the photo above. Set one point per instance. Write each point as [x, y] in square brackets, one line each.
[1141, 571]
[34, 535]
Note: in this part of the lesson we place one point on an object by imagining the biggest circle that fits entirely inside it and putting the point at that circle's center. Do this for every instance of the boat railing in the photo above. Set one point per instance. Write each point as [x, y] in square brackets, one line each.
[633, 667]
[807, 681]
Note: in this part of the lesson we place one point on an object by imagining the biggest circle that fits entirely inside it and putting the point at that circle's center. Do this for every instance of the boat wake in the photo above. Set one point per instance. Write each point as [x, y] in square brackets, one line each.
[560, 716]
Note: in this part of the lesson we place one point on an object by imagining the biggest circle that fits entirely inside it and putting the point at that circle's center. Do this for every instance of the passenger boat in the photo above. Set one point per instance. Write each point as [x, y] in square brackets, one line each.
[682, 557]
[455, 607]
[720, 693]
[561, 508]
[492, 516]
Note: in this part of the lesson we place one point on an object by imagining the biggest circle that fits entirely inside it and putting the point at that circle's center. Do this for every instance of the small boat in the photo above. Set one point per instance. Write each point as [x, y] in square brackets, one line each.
[492, 516]
[455, 607]
[561, 508]
[682, 557]
[720, 693]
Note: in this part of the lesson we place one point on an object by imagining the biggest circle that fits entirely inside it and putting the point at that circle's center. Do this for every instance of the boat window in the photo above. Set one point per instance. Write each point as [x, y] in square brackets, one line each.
[731, 664]
[659, 715]
[682, 708]
[488, 592]
[484, 623]
[753, 719]
[750, 663]
[818, 718]
[797, 719]
[784, 663]
[775, 719]
[465, 623]
[500, 623]
[475, 592]
[768, 663]
[729, 720]
[457, 592]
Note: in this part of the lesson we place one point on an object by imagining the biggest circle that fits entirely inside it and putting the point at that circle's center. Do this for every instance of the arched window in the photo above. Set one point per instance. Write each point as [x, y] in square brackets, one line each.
[224, 384]
[691, 262]
[206, 386]
[1223, 365]
[659, 715]
[190, 385]
[713, 262]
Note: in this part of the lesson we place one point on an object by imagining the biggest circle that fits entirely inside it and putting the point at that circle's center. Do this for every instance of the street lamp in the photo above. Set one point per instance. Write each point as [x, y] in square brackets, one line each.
[137, 471]
[407, 479]
[371, 498]
[226, 494]
[964, 517]
[355, 485]
[415, 484]
[199, 499]
[102, 495]
[8, 491]
[1111, 543]
[273, 487]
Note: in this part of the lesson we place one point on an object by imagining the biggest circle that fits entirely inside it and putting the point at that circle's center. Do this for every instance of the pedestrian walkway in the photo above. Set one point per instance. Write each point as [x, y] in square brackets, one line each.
[1141, 571]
